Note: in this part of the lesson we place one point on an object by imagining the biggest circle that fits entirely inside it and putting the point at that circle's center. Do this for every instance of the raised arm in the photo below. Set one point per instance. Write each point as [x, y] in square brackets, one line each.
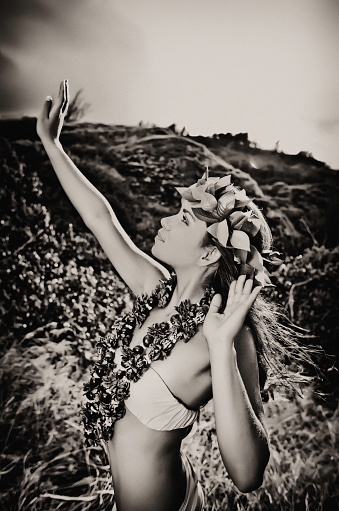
[140, 272]
[238, 409]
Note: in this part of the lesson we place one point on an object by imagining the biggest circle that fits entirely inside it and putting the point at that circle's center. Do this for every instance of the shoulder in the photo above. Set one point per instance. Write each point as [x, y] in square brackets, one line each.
[151, 282]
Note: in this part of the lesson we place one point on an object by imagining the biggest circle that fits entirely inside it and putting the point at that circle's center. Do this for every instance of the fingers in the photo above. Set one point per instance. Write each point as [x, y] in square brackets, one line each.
[251, 298]
[231, 290]
[65, 96]
[239, 287]
[235, 290]
[47, 107]
[246, 290]
[240, 290]
[215, 304]
[61, 89]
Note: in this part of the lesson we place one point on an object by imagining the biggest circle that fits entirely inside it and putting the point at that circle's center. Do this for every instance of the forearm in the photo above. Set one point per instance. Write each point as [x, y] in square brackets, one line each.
[87, 200]
[241, 436]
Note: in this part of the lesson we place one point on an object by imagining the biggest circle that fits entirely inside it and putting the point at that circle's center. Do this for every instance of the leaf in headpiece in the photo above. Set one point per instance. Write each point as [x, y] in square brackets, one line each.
[237, 219]
[220, 231]
[251, 226]
[218, 193]
[186, 193]
[223, 181]
[225, 204]
[241, 204]
[263, 279]
[241, 198]
[240, 240]
[212, 181]
[202, 180]
[255, 259]
[198, 191]
[260, 277]
[271, 257]
[246, 222]
[240, 256]
[211, 188]
[205, 216]
[226, 199]
[208, 202]
[240, 195]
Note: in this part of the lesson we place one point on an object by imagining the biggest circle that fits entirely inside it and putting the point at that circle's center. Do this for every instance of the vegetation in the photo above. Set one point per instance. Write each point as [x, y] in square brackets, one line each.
[59, 292]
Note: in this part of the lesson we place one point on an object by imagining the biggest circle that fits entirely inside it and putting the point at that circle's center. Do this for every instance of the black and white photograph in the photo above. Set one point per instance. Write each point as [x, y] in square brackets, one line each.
[169, 196]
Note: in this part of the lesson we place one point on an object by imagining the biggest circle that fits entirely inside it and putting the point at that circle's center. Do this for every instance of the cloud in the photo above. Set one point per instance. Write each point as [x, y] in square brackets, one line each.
[11, 97]
[45, 41]
[14, 17]
[23, 23]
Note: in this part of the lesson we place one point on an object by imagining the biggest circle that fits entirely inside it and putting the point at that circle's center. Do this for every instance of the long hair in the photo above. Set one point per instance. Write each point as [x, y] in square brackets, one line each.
[276, 339]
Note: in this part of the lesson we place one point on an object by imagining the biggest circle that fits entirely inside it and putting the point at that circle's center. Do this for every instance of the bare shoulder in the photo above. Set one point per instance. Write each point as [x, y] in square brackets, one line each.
[150, 283]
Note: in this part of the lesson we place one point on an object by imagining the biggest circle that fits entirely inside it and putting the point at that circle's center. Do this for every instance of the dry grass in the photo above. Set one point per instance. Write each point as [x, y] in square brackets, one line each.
[45, 465]
[303, 468]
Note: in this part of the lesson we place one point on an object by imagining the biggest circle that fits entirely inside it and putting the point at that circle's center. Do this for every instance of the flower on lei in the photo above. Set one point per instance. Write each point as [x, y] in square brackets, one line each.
[223, 207]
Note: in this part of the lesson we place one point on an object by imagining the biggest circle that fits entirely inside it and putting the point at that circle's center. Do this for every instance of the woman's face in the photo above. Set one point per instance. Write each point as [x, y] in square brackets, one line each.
[179, 241]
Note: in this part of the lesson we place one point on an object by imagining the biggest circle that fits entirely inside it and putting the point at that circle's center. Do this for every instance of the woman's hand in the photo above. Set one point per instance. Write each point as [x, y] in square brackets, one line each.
[51, 119]
[223, 327]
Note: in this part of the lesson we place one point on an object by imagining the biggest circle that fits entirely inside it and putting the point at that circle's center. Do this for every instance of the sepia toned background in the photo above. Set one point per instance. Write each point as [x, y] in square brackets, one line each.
[159, 90]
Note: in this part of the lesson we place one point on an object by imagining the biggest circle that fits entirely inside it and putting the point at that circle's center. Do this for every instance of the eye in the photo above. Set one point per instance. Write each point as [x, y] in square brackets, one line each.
[185, 220]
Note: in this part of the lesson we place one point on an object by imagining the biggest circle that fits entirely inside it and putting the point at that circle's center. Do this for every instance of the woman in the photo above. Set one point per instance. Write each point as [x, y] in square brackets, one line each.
[149, 382]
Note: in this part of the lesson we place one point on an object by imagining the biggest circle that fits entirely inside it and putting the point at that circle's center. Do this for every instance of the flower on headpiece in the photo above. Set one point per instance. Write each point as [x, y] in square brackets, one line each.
[247, 222]
[208, 202]
[219, 231]
[223, 207]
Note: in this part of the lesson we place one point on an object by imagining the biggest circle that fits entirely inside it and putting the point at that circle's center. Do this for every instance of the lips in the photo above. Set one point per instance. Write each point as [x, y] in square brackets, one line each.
[160, 237]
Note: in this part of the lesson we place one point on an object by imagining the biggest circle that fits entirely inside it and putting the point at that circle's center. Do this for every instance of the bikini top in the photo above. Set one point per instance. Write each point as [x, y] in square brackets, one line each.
[122, 376]
[153, 404]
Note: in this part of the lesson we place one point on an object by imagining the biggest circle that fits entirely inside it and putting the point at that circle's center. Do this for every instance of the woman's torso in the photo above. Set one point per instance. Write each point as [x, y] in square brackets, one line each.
[145, 462]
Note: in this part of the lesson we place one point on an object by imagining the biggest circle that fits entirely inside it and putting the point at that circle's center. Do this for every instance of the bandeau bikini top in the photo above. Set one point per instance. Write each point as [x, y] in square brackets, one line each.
[153, 404]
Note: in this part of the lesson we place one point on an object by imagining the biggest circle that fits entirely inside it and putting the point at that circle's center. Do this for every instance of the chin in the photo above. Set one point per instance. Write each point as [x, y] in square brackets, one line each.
[158, 253]
[155, 251]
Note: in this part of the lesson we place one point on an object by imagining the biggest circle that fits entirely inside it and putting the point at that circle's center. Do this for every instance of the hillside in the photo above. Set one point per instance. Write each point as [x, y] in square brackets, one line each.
[298, 194]
[59, 294]
[137, 169]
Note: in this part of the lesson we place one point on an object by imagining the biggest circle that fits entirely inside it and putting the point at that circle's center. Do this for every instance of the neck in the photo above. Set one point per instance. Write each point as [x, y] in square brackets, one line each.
[191, 285]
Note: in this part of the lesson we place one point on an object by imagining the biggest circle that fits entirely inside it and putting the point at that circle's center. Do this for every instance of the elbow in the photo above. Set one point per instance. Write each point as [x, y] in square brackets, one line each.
[251, 480]
[95, 218]
[247, 486]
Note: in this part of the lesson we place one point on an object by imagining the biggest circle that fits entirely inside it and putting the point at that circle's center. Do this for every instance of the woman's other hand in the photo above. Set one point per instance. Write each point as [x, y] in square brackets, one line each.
[223, 326]
[51, 118]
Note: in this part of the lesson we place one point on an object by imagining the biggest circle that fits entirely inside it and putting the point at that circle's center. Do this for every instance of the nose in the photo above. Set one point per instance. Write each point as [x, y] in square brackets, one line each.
[164, 223]
[168, 222]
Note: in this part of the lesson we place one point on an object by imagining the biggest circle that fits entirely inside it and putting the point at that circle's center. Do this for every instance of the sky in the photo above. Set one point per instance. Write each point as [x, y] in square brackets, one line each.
[265, 67]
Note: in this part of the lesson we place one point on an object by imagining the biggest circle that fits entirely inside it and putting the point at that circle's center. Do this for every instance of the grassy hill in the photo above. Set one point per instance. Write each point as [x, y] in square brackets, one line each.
[59, 292]
[298, 194]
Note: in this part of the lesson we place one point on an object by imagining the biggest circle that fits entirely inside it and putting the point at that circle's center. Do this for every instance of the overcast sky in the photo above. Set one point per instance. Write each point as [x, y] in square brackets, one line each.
[266, 67]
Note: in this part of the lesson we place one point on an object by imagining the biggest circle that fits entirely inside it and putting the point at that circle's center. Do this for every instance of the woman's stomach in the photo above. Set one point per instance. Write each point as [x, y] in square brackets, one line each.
[146, 466]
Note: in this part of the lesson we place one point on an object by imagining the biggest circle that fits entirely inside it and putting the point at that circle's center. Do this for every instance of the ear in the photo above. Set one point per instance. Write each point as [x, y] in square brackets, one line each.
[209, 256]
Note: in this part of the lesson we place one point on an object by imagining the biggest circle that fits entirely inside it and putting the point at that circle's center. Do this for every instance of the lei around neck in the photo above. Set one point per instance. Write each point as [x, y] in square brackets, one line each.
[109, 385]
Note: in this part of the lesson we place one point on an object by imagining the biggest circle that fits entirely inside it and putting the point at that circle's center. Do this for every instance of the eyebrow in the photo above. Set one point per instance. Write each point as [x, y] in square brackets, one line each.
[189, 212]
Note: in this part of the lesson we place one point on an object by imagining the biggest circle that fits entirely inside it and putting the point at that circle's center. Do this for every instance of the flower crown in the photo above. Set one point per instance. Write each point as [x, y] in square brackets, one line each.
[224, 207]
